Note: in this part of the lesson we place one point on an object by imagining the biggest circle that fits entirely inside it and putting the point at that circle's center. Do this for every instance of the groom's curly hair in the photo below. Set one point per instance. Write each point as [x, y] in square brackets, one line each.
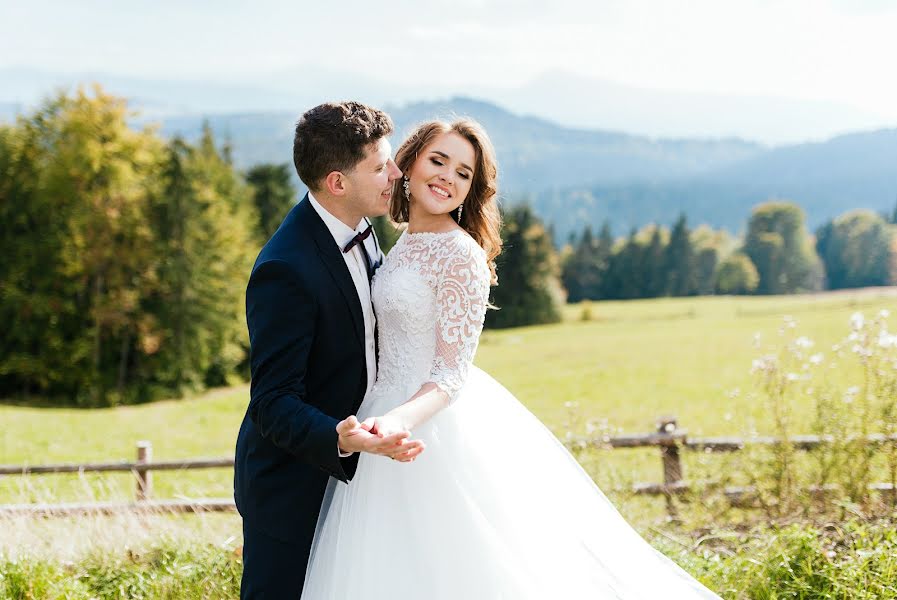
[334, 137]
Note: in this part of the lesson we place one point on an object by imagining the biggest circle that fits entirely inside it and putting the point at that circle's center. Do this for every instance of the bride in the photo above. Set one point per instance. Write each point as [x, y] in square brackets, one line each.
[495, 507]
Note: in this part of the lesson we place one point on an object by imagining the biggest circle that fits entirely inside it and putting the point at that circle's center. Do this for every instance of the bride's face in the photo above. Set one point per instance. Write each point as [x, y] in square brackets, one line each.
[441, 176]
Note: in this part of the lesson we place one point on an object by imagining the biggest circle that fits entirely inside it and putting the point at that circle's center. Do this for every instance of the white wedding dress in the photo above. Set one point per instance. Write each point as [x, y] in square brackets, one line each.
[495, 507]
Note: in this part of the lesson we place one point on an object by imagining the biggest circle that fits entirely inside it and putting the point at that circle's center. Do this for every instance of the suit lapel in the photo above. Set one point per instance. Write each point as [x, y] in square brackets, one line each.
[377, 263]
[378, 259]
[335, 263]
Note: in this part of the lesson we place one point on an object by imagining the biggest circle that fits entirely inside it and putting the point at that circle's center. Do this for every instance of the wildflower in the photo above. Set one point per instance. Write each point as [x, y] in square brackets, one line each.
[856, 321]
[884, 313]
[792, 377]
[816, 358]
[887, 340]
[803, 342]
[765, 363]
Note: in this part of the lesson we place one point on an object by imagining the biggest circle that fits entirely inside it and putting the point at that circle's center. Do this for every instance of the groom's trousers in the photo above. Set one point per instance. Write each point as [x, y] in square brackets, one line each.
[272, 569]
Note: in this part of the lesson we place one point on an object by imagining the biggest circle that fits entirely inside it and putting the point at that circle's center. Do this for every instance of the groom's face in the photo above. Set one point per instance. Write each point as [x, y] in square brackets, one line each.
[370, 182]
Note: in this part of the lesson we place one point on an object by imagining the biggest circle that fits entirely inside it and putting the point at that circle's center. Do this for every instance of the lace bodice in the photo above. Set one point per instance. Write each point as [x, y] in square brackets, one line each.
[430, 297]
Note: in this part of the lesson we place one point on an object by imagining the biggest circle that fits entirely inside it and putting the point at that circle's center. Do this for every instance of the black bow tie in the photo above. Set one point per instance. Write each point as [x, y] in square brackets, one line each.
[358, 239]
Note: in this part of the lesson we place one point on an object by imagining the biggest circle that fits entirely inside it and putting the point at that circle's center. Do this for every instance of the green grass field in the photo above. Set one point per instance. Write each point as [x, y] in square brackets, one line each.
[631, 363]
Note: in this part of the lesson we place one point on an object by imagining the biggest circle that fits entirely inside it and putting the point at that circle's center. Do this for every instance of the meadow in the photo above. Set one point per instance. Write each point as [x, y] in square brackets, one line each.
[618, 365]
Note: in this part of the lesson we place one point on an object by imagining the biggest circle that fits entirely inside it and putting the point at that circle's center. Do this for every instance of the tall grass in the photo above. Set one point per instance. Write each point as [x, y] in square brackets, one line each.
[854, 560]
[126, 555]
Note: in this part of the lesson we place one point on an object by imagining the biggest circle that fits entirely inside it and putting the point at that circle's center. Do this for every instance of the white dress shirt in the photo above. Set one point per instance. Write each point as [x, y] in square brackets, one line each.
[355, 261]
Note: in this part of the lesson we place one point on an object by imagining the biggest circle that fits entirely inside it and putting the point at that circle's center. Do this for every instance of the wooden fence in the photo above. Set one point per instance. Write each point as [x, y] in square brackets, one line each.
[671, 441]
[142, 469]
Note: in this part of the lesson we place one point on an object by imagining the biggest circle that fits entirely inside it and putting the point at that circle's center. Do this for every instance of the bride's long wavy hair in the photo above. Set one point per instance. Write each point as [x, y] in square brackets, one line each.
[480, 216]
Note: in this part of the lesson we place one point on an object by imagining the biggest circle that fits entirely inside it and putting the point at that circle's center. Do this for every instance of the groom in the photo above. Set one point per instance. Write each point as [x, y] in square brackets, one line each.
[313, 359]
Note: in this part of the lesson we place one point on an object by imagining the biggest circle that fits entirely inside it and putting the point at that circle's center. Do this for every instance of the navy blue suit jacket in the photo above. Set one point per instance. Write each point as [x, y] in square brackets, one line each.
[306, 333]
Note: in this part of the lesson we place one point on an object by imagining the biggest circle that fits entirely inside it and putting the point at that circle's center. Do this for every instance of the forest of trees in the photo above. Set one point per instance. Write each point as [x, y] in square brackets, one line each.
[777, 256]
[126, 257]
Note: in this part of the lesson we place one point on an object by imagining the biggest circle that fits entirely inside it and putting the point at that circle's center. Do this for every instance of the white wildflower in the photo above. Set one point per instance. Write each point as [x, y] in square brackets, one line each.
[884, 313]
[803, 342]
[767, 363]
[792, 377]
[857, 320]
[862, 351]
[887, 340]
[816, 358]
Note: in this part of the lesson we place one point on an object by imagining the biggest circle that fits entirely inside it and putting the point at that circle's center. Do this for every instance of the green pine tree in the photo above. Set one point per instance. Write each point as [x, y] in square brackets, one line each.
[680, 261]
[273, 194]
[529, 290]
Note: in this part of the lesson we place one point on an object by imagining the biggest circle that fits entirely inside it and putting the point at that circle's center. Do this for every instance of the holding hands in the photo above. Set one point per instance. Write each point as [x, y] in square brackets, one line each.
[385, 436]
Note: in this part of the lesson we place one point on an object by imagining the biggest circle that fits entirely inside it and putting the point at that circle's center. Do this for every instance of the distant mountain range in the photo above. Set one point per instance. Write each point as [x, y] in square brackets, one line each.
[562, 97]
[826, 179]
[574, 176]
[578, 176]
[533, 153]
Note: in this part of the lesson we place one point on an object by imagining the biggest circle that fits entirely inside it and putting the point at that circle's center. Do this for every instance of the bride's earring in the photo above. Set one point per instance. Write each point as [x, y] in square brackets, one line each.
[460, 208]
[407, 185]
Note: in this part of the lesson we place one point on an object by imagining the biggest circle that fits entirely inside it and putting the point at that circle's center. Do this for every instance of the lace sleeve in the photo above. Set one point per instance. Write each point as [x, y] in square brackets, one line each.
[461, 297]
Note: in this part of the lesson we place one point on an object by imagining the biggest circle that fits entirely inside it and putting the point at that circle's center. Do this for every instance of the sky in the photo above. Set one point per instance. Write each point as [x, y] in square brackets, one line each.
[838, 51]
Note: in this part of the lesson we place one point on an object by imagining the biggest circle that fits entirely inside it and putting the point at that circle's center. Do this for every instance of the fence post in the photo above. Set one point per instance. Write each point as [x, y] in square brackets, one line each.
[144, 476]
[672, 464]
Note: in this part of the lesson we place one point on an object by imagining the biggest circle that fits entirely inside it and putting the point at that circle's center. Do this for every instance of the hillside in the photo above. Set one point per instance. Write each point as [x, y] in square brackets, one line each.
[826, 178]
[575, 176]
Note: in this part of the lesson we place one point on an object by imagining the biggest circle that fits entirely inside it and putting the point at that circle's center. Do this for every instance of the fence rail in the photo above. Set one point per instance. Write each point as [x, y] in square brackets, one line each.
[668, 438]
[671, 439]
[142, 469]
[148, 507]
[169, 465]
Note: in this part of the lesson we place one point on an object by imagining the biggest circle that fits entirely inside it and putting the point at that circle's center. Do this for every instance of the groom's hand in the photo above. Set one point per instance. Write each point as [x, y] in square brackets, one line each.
[355, 436]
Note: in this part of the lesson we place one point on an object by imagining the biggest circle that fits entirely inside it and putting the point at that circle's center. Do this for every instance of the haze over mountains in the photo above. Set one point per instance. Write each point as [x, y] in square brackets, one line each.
[572, 175]
[565, 98]
[578, 176]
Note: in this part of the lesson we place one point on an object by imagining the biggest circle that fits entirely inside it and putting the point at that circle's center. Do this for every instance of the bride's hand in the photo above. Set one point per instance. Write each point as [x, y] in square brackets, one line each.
[355, 436]
[388, 425]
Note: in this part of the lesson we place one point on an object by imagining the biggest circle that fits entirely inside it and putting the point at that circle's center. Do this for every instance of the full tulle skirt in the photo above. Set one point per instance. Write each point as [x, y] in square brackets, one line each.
[495, 508]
